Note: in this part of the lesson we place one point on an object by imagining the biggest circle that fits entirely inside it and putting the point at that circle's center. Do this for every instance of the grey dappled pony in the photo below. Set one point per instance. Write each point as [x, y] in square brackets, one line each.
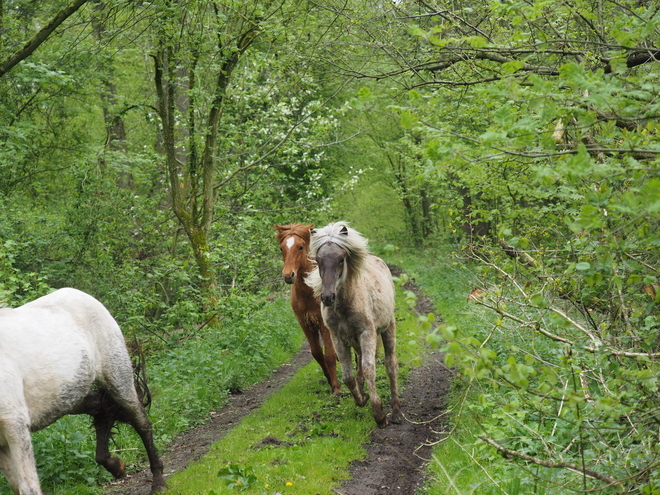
[65, 354]
[357, 305]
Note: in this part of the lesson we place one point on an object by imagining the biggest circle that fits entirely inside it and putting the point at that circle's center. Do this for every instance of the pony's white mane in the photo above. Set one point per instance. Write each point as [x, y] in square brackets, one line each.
[355, 245]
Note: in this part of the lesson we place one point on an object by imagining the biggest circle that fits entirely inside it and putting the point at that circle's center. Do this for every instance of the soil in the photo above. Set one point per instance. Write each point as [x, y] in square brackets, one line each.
[396, 455]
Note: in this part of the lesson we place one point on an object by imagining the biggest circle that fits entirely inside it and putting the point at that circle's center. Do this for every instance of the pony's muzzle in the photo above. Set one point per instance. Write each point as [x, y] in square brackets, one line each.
[328, 299]
[290, 278]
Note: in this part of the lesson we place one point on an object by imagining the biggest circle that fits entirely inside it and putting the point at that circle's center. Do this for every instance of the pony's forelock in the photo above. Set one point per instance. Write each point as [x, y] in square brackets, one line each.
[351, 241]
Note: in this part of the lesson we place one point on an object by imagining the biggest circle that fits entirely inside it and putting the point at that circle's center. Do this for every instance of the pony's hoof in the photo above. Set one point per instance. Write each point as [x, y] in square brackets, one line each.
[365, 399]
[116, 467]
[158, 488]
[397, 417]
[383, 422]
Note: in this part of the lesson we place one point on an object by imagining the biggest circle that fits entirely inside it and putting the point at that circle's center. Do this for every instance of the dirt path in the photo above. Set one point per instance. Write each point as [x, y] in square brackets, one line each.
[396, 455]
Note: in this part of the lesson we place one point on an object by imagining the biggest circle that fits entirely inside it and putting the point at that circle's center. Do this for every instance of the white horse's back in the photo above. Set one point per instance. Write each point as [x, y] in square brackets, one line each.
[377, 286]
[53, 344]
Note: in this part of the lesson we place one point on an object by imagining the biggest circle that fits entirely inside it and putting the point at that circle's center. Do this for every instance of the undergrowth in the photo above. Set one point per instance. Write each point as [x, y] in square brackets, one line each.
[461, 463]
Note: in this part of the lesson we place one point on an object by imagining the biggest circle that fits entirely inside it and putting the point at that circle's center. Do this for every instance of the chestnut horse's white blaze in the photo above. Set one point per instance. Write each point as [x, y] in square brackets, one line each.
[64, 354]
[290, 242]
[357, 305]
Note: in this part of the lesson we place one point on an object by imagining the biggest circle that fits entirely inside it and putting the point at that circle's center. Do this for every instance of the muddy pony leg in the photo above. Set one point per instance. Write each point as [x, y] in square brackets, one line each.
[137, 418]
[360, 370]
[368, 345]
[392, 367]
[121, 388]
[113, 464]
[344, 355]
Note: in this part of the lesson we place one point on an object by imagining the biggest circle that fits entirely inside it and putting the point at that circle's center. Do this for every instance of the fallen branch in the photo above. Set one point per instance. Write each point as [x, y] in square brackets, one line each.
[550, 464]
[521, 256]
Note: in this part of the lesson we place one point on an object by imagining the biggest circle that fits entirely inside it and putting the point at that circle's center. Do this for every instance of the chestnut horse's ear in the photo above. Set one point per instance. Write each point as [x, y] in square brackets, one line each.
[344, 230]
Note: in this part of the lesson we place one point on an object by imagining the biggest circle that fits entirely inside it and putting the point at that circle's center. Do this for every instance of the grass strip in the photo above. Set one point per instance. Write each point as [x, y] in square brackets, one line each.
[303, 439]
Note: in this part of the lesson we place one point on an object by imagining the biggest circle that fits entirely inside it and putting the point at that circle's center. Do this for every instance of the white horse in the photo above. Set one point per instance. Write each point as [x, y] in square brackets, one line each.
[65, 354]
[357, 305]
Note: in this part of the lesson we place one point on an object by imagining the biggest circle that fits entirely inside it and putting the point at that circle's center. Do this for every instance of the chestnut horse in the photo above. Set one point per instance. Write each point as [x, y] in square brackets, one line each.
[294, 243]
[357, 305]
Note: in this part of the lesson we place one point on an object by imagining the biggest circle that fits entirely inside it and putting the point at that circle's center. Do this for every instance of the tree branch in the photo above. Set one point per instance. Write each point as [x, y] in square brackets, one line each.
[561, 464]
[7, 64]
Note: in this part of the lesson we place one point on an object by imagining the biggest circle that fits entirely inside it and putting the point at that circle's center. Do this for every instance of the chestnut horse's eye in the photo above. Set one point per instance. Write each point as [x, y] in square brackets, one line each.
[300, 248]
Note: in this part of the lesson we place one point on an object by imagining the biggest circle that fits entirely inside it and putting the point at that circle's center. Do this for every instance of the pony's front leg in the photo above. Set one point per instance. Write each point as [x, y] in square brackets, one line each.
[368, 345]
[17, 458]
[344, 354]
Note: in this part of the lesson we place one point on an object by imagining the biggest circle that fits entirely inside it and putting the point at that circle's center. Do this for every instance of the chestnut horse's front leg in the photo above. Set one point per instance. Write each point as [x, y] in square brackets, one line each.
[328, 361]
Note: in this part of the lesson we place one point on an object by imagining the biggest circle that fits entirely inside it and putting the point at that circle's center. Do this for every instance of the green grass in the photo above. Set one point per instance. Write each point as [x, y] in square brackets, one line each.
[311, 435]
[320, 434]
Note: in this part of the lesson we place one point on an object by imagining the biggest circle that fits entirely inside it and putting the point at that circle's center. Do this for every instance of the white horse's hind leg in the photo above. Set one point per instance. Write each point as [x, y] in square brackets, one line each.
[122, 390]
[140, 422]
[17, 458]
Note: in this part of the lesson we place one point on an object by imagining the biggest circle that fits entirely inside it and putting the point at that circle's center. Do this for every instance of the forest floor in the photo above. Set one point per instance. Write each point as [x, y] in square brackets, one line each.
[396, 455]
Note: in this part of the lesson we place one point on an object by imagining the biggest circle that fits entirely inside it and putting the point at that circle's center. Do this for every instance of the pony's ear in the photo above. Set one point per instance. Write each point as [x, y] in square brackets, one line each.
[344, 230]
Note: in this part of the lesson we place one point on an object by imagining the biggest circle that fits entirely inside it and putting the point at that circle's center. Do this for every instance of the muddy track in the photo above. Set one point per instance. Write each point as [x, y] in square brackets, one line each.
[396, 455]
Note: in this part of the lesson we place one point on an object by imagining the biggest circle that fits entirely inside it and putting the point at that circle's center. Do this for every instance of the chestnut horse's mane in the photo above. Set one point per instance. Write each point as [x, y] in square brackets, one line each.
[298, 229]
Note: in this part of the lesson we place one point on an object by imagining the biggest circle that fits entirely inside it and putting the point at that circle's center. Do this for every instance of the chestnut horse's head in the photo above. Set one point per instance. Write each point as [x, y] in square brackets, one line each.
[294, 243]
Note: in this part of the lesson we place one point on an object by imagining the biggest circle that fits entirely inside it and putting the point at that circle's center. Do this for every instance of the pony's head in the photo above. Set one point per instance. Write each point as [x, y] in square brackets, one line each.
[294, 244]
[340, 253]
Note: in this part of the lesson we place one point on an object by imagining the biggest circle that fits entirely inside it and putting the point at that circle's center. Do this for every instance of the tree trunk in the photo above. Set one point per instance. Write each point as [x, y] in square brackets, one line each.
[191, 178]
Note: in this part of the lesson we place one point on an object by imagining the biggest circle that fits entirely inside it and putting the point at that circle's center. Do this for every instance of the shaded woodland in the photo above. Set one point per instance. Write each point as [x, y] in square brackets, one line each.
[148, 148]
